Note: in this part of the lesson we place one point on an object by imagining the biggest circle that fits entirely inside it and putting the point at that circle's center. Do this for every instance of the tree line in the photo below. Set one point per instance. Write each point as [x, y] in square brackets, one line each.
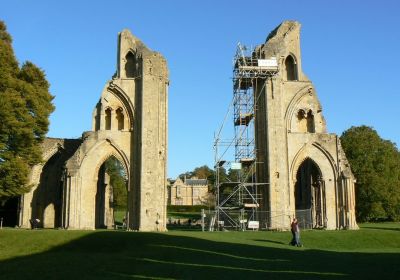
[25, 107]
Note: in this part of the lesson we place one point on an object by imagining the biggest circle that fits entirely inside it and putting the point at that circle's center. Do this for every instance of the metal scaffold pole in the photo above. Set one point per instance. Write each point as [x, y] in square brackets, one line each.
[237, 192]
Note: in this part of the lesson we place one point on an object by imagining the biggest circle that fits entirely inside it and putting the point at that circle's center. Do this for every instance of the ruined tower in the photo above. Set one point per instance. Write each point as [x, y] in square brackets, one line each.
[130, 124]
[304, 166]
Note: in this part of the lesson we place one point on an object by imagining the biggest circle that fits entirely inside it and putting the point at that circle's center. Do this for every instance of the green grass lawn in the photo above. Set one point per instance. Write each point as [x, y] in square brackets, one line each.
[373, 252]
[119, 216]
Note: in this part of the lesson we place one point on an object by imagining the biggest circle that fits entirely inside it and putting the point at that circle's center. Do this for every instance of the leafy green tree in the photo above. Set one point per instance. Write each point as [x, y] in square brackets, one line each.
[205, 172]
[25, 107]
[375, 163]
[202, 172]
[118, 180]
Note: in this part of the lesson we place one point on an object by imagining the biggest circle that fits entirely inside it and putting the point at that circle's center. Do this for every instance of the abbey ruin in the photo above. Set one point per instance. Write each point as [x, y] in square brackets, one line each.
[288, 165]
[305, 166]
[297, 164]
[71, 189]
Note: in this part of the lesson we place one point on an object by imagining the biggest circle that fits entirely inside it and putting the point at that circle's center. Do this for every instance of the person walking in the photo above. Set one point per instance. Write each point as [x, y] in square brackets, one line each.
[293, 241]
[295, 233]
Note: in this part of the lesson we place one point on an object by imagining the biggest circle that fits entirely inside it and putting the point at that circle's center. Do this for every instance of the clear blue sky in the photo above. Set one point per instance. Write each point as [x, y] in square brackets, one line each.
[350, 50]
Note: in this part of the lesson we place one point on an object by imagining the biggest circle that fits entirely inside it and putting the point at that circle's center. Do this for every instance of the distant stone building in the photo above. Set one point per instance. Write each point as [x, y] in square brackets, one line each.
[192, 191]
[71, 190]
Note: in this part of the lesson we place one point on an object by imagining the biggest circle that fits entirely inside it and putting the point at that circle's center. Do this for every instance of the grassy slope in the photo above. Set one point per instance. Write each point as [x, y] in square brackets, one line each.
[370, 253]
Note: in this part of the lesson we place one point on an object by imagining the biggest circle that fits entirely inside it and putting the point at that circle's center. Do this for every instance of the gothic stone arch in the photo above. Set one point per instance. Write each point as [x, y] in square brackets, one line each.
[130, 123]
[57, 150]
[328, 182]
[141, 143]
[82, 185]
[290, 128]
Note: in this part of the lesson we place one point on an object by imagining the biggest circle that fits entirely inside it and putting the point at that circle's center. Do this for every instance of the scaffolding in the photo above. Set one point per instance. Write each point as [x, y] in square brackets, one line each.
[238, 197]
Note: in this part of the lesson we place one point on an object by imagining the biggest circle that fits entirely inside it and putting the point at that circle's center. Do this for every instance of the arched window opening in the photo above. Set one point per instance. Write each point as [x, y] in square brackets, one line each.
[291, 68]
[130, 66]
[310, 122]
[111, 195]
[305, 121]
[309, 195]
[120, 118]
[108, 119]
[302, 121]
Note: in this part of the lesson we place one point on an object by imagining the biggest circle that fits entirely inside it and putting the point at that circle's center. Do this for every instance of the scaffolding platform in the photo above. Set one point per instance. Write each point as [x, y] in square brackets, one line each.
[247, 68]
[247, 161]
[244, 119]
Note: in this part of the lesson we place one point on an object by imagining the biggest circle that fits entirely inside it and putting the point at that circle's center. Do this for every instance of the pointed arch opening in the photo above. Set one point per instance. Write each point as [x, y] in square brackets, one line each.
[310, 122]
[130, 66]
[126, 104]
[119, 115]
[309, 195]
[291, 68]
[46, 206]
[9, 211]
[111, 202]
[301, 121]
[305, 121]
[107, 119]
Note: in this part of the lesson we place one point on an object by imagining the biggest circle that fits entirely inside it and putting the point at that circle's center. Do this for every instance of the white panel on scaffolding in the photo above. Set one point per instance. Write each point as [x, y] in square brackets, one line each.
[236, 166]
[270, 62]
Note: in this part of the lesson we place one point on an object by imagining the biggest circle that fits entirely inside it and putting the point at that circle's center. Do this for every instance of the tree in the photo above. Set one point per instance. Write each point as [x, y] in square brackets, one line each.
[375, 163]
[25, 107]
[202, 172]
[118, 179]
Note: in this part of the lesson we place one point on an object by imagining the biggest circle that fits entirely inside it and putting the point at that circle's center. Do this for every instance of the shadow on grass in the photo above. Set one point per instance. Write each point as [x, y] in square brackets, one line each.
[271, 241]
[128, 255]
[173, 227]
